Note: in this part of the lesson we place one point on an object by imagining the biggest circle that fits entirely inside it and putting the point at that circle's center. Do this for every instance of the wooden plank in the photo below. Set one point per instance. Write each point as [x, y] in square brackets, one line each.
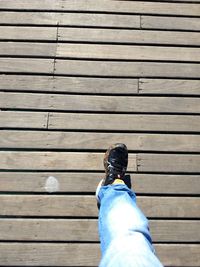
[142, 7]
[87, 230]
[102, 51]
[85, 206]
[99, 103]
[54, 254]
[127, 122]
[27, 5]
[26, 65]
[126, 69]
[105, 6]
[70, 19]
[126, 36]
[165, 183]
[68, 84]
[169, 86]
[23, 119]
[26, 83]
[170, 23]
[29, 18]
[87, 182]
[99, 20]
[29, 33]
[179, 254]
[28, 49]
[168, 163]
[98, 141]
[56, 161]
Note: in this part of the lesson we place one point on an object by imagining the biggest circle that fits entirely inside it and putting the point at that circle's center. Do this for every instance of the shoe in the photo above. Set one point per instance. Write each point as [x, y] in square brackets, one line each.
[115, 164]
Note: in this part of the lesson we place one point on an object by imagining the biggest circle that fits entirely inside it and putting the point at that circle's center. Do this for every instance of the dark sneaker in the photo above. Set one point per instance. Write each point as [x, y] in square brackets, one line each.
[115, 164]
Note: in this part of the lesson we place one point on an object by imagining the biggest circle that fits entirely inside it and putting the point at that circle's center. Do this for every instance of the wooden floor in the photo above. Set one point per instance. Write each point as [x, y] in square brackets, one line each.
[75, 77]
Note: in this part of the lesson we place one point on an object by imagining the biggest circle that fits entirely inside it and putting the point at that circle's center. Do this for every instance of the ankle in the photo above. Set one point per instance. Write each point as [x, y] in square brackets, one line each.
[118, 181]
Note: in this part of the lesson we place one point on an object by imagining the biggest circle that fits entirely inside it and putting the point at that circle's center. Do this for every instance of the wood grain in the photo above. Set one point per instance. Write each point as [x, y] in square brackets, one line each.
[142, 7]
[87, 230]
[29, 254]
[126, 36]
[68, 84]
[26, 65]
[100, 103]
[170, 23]
[99, 20]
[126, 122]
[87, 140]
[27, 5]
[126, 69]
[168, 163]
[105, 6]
[87, 182]
[102, 51]
[29, 33]
[55, 161]
[23, 119]
[169, 86]
[28, 49]
[69, 19]
[28, 18]
[85, 206]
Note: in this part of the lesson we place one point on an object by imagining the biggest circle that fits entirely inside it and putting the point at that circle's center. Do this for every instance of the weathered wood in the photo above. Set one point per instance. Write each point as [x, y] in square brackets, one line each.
[56, 161]
[168, 163]
[126, 122]
[127, 36]
[167, 86]
[87, 182]
[70, 19]
[102, 51]
[28, 49]
[69, 84]
[179, 254]
[45, 254]
[106, 6]
[85, 206]
[27, 5]
[100, 103]
[87, 230]
[30, 33]
[86, 140]
[23, 120]
[165, 184]
[170, 23]
[49, 254]
[28, 65]
[99, 20]
[134, 7]
[127, 69]
[29, 18]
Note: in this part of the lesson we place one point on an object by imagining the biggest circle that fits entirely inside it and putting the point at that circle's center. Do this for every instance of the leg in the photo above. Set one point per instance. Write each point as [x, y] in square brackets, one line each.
[123, 228]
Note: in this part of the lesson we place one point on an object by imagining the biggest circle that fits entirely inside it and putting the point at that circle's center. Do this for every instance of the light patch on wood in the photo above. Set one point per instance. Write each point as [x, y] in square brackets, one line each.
[51, 184]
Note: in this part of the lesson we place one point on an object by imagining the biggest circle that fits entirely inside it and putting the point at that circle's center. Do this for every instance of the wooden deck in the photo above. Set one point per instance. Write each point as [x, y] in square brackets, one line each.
[76, 76]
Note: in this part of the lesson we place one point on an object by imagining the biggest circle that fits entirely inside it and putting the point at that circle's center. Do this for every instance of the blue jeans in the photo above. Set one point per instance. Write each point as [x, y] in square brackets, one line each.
[123, 229]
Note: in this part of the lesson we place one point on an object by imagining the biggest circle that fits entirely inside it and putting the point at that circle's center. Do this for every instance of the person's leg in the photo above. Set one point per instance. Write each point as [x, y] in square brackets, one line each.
[124, 233]
[123, 229]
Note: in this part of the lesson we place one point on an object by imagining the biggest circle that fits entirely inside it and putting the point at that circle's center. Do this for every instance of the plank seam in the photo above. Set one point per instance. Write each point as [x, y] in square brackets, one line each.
[47, 127]
[140, 22]
[136, 159]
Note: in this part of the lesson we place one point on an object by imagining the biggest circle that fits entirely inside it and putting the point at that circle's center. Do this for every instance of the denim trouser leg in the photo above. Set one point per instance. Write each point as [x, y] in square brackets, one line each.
[123, 229]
